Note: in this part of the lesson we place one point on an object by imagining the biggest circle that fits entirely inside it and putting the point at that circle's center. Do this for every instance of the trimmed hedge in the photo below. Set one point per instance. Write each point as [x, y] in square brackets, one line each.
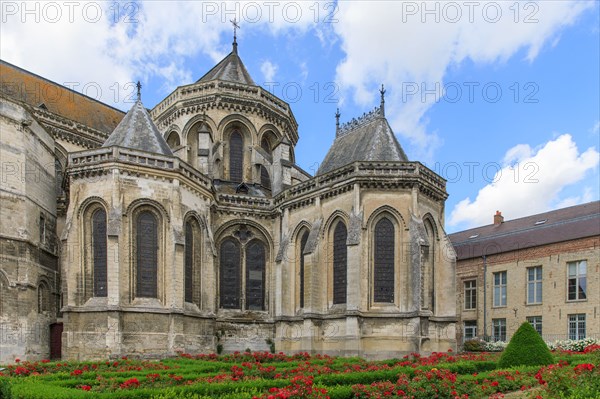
[526, 348]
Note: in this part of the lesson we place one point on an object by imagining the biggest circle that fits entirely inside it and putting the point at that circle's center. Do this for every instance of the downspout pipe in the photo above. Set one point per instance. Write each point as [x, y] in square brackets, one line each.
[484, 297]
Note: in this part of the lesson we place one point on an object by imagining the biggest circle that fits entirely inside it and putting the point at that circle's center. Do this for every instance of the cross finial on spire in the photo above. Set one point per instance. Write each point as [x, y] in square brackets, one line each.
[139, 90]
[236, 26]
[382, 105]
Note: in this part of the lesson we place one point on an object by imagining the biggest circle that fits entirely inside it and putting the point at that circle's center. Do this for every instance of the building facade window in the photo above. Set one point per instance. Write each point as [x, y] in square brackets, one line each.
[534, 285]
[340, 263]
[42, 229]
[192, 258]
[99, 251]
[236, 157]
[470, 329]
[43, 298]
[255, 275]
[499, 329]
[265, 179]
[500, 289]
[303, 241]
[577, 285]
[577, 326]
[536, 322]
[383, 268]
[231, 283]
[470, 294]
[147, 255]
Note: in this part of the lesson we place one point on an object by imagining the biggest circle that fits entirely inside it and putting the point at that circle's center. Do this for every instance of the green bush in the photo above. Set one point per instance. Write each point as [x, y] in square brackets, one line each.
[525, 348]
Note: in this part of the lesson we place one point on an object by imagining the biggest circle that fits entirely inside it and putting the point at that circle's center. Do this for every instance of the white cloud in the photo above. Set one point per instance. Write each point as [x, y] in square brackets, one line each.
[384, 43]
[135, 40]
[596, 128]
[268, 70]
[531, 185]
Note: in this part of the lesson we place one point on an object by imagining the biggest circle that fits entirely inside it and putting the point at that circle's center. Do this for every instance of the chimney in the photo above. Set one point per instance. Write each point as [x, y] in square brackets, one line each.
[498, 218]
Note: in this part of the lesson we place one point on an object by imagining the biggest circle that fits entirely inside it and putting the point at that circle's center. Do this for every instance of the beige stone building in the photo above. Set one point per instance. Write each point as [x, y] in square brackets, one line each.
[542, 268]
[189, 227]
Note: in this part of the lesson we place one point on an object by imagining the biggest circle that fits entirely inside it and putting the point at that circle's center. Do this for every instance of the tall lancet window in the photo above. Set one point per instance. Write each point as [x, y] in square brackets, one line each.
[383, 268]
[340, 263]
[255, 275]
[236, 157]
[189, 262]
[99, 252]
[147, 255]
[230, 275]
[303, 242]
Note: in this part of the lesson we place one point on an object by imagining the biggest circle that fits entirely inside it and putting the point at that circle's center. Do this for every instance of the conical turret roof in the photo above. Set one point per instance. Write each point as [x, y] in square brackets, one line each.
[137, 131]
[231, 69]
[368, 138]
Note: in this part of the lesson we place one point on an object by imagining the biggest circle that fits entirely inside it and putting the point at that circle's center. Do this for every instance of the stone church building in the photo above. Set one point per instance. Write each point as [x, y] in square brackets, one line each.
[189, 227]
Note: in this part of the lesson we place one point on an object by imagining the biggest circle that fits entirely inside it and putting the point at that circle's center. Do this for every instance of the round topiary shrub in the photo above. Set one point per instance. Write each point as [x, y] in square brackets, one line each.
[527, 348]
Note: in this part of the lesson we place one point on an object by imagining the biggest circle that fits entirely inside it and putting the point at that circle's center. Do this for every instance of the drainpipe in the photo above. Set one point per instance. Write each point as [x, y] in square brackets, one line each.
[484, 297]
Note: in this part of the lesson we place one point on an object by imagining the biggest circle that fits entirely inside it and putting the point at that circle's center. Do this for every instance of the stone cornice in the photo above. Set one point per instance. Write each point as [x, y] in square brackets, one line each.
[70, 131]
[368, 175]
[377, 175]
[200, 97]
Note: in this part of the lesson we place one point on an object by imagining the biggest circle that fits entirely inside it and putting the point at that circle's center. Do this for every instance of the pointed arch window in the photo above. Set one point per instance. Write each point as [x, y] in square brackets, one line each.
[229, 275]
[189, 262]
[255, 275]
[383, 256]
[265, 179]
[303, 241]
[147, 255]
[340, 263]
[265, 144]
[43, 298]
[236, 157]
[3, 292]
[428, 269]
[99, 251]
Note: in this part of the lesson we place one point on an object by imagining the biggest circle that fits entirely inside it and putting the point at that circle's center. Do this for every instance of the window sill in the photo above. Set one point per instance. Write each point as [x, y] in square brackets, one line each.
[575, 300]
[534, 304]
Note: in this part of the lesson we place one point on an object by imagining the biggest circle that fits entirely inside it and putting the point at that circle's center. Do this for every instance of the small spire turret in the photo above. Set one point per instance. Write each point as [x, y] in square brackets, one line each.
[382, 105]
[236, 26]
[139, 90]
[337, 122]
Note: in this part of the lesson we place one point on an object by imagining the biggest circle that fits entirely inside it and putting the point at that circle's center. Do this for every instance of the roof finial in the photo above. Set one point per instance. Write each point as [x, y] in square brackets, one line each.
[337, 121]
[139, 90]
[236, 26]
[382, 105]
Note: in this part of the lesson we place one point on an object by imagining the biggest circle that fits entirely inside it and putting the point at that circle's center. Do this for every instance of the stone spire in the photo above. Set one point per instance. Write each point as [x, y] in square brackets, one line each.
[231, 68]
[236, 26]
[337, 122]
[137, 131]
[139, 91]
[382, 105]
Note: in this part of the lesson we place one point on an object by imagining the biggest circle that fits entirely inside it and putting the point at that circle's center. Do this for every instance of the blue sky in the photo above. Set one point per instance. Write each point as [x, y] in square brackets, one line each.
[500, 98]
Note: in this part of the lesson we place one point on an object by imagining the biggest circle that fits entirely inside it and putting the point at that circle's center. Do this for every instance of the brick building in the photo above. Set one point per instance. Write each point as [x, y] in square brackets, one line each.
[542, 268]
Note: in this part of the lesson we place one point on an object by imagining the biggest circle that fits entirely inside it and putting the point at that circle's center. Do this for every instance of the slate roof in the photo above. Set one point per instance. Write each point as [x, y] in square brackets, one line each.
[137, 131]
[32, 89]
[231, 69]
[368, 138]
[560, 225]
